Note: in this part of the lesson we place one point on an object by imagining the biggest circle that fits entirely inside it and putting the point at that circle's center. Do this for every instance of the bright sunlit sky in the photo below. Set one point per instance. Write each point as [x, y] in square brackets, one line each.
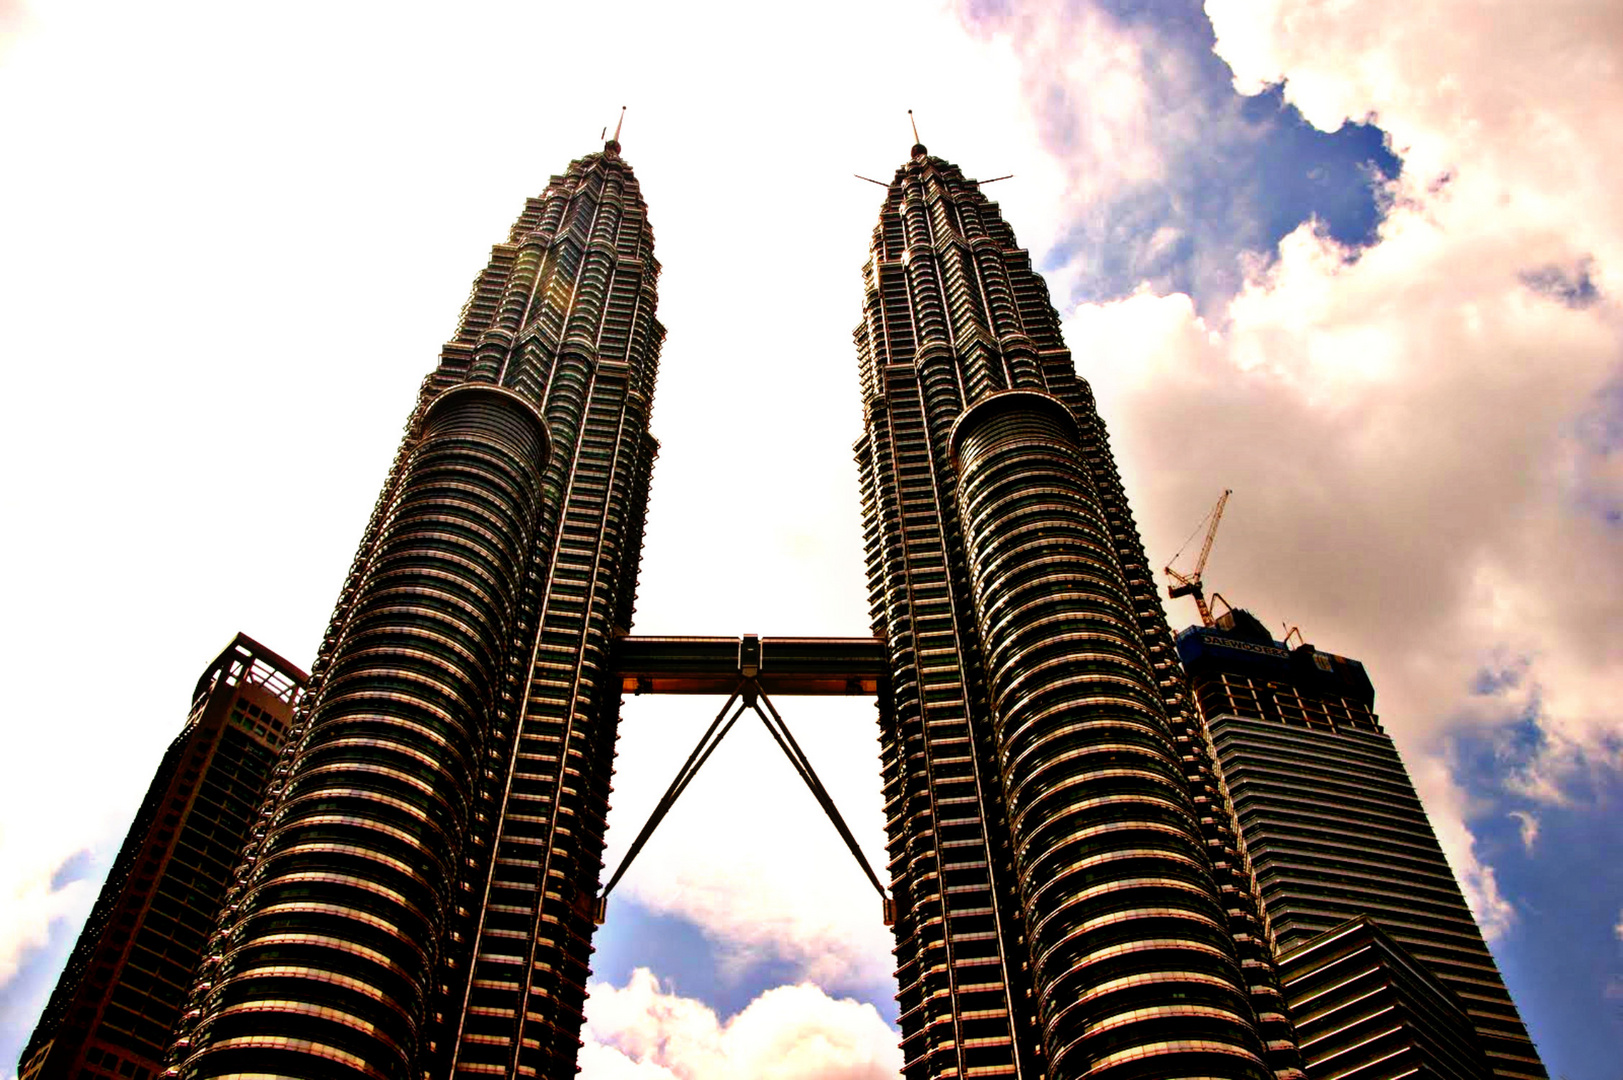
[1359, 262]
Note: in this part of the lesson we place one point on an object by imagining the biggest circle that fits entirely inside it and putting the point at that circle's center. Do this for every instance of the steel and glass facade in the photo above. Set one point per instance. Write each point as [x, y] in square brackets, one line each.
[417, 900]
[1067, 887]
[1331, 826]
[1367, 1010]
[128, 977]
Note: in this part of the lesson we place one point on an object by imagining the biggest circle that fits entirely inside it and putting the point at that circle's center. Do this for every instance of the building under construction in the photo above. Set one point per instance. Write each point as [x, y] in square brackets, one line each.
[1334, 836]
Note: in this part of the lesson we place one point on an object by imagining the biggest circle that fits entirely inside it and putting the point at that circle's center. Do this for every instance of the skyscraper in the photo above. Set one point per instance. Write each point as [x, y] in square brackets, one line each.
[418, 898]
[1071, 899]
[418, 901]
[1331, 825]
[131, 969]
[1068, 890]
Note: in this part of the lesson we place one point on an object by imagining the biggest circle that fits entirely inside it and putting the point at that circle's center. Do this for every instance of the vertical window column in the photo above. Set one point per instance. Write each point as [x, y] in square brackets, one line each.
[1134, 971]
[336, 945]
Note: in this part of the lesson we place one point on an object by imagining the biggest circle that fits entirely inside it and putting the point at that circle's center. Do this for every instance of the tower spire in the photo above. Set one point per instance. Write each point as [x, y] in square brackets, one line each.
[918, 145]
[613, 145]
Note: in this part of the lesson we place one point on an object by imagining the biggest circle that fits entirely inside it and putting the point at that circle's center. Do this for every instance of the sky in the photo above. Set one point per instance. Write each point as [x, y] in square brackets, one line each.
[1359, 262]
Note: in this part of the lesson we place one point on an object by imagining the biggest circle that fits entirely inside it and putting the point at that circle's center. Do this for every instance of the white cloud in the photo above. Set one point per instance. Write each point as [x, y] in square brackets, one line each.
[1518, 100]
[1092, 76]
[1527, 826]
[1412, 436]
[639, 1032]
[1119, 109]
[35, 905]
[1518, 105]
[1394, 429]
[1447, 808]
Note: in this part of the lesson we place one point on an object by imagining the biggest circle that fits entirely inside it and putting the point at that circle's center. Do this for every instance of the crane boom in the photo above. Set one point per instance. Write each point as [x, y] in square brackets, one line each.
[1211, 533]
[1190, 584]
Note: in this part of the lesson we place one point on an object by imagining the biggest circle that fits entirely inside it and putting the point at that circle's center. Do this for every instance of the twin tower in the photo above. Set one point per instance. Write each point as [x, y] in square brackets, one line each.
[417, 900]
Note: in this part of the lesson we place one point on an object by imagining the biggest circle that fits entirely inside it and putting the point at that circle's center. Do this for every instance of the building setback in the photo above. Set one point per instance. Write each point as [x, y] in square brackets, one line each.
[420, 899]
[116, 1003]
[1367, 1010]
[1331, 824]
[1069, 895]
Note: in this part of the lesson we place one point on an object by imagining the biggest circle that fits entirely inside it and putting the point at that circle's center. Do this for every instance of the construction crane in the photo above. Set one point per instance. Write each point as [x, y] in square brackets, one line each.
[1190, 584]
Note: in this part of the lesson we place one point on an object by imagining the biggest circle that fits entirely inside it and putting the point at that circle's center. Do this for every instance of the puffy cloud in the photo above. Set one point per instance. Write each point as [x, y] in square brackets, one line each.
[640, 1032]
[1400, 440]
[1449, 808]
[1518, 99]
[43, 893]
[1100, 92]
[1527, 828]
[1423, 438]
[1514, 105]
[1169, 176]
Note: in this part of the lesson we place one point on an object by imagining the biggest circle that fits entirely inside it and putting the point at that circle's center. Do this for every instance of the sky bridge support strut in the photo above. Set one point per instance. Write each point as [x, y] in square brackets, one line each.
[797, 666]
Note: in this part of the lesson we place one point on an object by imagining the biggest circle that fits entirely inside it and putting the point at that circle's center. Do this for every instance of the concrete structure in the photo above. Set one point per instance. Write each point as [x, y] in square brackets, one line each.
[115, 1005]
